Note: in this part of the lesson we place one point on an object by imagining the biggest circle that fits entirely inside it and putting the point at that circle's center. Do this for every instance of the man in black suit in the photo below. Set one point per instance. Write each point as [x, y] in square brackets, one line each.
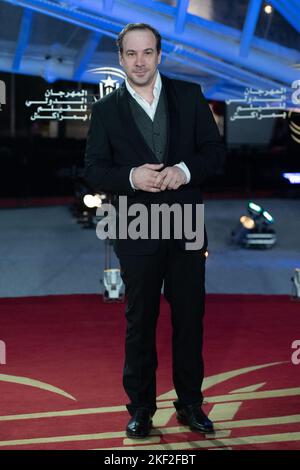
[155, 141]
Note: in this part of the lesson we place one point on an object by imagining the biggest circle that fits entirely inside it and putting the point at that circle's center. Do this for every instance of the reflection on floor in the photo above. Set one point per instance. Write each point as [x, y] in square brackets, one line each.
[44, 251]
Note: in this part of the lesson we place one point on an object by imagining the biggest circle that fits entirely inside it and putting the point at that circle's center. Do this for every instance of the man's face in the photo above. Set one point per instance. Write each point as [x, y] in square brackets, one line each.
[140, 58]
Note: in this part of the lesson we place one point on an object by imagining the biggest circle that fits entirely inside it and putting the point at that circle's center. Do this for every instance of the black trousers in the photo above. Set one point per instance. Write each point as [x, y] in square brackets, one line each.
[183, 274]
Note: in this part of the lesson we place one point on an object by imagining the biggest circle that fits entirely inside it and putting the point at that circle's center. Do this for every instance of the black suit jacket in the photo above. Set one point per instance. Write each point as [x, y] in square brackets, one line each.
[115, 145]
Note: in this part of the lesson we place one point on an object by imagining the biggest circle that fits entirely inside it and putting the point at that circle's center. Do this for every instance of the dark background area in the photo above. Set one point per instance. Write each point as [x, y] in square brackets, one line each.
[32, 164]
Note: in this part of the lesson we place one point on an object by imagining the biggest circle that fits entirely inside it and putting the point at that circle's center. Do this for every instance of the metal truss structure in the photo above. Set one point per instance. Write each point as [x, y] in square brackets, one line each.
[66, 39]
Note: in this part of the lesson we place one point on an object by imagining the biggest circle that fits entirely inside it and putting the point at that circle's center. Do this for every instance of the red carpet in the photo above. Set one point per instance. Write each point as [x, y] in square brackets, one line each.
[61, 386]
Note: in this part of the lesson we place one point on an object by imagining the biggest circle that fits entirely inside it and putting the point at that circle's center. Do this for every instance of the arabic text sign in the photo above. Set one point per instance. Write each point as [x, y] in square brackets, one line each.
[59, 106]
[260, 104]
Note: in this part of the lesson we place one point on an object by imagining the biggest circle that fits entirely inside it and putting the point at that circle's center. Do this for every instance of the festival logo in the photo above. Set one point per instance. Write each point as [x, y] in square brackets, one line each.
[251, 407]
[112, 77]
[74, 105]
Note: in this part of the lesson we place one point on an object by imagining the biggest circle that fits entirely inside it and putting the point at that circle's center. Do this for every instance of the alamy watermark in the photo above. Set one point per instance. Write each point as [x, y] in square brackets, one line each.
[152, 222]
[2, 352]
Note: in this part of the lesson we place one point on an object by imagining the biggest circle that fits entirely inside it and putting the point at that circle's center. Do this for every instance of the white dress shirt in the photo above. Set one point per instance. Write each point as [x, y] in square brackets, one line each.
[150, 109]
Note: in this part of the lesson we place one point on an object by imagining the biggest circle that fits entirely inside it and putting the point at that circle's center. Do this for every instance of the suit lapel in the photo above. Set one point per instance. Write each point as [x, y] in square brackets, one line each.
[130, 128]
[173, 119]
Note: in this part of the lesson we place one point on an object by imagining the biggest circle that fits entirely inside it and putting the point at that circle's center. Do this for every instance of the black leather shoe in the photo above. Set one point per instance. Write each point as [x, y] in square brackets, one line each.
[140, 424]
[194, 417]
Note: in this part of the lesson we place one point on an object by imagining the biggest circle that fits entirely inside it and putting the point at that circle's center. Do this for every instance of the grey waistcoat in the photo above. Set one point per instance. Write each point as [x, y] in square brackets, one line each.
[154, 132]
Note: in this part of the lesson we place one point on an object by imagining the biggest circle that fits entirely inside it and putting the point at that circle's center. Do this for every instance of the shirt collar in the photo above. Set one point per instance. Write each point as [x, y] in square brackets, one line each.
[156, 89]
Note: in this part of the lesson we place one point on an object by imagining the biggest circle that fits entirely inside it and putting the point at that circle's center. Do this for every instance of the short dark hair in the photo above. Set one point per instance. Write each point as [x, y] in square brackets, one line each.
[134, 27]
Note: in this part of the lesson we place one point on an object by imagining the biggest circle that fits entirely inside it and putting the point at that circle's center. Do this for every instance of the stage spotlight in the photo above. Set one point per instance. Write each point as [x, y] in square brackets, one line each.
[206, 254]
[254, 208]
[268, 9]
[254, 230]
[85, 203]
[247, 222]
[88, 200]
[268, 217]
[112, 284]
[293, 178]
[92, 201]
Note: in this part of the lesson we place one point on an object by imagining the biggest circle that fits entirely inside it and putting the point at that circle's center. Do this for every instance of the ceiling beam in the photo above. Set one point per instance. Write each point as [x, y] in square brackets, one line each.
[295, 3]
[64, 70]
[210, 70]
[69, 14]
[108, 5]
[204, 39]
[23, 39]
[207, 41]
[86, 54]
[260, 44]
[220, 68]
[289, 10]
[181, 14]
[252, 15]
